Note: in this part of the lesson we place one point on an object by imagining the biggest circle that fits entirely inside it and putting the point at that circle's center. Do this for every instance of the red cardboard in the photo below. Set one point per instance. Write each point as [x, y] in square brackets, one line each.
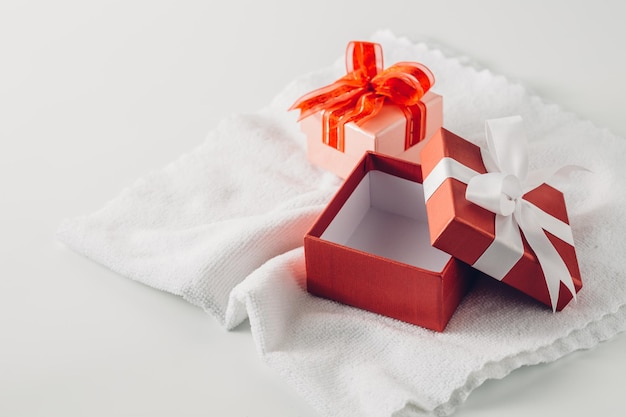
[370, 248]
[465, 230]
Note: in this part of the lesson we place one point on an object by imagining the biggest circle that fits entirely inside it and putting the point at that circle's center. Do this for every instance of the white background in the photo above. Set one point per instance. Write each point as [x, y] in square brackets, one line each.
[94, 94]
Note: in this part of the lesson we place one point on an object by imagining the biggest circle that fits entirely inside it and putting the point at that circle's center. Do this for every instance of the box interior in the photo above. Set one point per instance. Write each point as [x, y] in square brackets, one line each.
[386, 216]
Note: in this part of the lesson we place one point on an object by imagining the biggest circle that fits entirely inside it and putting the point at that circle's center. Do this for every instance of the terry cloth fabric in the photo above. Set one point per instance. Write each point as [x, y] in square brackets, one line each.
[223, 226]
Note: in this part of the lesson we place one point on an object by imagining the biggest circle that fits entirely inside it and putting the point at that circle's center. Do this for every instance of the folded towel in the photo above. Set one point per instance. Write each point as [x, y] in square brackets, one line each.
[223, 226]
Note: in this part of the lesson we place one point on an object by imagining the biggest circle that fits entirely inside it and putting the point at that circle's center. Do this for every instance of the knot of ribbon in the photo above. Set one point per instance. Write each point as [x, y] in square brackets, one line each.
[360, 94]
[501, 190]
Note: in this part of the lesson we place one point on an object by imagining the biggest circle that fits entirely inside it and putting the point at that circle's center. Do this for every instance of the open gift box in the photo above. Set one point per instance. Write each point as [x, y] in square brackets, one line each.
[370, 248]
[390, 111]
[487, 209]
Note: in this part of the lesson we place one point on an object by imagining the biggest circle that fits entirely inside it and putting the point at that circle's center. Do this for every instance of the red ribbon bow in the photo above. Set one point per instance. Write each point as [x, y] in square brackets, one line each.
[360, 94]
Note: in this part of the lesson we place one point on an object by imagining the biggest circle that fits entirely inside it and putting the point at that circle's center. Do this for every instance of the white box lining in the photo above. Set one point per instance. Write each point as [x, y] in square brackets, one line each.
[386, 216]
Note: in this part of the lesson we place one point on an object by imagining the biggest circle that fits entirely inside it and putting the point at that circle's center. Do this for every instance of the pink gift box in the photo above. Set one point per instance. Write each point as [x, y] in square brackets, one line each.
[390, 111]
[385, 134]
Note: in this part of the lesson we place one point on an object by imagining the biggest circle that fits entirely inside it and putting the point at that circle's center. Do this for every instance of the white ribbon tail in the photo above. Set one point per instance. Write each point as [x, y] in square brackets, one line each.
[554, 268]
[551, 224]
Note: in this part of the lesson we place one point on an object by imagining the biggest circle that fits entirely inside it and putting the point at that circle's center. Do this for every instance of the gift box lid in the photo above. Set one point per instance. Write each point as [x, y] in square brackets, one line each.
[487, 210]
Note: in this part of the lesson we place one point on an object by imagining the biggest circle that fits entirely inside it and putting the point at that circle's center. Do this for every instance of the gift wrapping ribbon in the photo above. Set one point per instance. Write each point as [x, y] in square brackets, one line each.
[501, 190]
[360, 94]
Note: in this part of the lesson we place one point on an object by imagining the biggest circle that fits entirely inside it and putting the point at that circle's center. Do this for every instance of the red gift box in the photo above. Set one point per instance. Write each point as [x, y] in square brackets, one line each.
[370, 248]
[468, 231]
[389, 111]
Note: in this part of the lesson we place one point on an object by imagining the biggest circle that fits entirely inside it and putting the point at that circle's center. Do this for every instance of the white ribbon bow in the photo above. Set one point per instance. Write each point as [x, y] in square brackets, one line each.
[501, 191]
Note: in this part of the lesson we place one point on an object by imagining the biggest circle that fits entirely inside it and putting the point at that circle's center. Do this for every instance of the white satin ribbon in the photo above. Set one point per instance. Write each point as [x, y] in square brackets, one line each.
[501, 191]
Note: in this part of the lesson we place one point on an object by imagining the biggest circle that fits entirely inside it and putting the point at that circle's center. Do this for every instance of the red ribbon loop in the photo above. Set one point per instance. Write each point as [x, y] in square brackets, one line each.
[360, 94]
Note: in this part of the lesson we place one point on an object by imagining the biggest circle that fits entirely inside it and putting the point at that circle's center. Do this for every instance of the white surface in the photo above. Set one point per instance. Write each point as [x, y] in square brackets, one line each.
[386, 216]
[95, 94]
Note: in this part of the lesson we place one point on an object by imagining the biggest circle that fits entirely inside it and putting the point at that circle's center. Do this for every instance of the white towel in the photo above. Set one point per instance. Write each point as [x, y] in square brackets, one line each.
[223, 226]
